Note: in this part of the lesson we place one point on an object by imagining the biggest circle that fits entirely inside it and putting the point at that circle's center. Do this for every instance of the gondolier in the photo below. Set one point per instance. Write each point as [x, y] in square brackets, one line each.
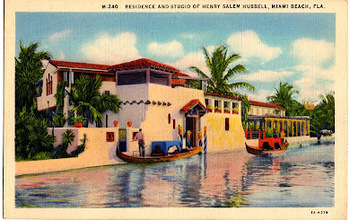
[139, 137]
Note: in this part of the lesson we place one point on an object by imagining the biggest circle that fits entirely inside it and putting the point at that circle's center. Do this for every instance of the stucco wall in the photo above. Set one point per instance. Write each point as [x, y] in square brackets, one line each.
[43, 99]
[220, 140]
[97, 152]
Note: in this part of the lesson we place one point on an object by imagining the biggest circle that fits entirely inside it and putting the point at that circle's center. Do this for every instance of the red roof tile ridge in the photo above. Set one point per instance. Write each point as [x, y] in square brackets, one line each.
[190, 104]
[79, 64]
[265, 104]
[143, 62]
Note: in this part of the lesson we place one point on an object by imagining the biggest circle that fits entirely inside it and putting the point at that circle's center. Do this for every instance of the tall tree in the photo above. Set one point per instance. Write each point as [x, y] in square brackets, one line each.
[29, 70]
[284, 97]
[326, 112]
[89, 103]
[221, 74]
[31, 135]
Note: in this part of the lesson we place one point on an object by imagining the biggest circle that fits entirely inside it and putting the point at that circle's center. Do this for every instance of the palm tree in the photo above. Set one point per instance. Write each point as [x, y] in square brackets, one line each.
[28, 71]
[30, 128]
[218, 64]
[326, 111]
[284, 97]
[220, 72]
[67, 139]
[89, 103]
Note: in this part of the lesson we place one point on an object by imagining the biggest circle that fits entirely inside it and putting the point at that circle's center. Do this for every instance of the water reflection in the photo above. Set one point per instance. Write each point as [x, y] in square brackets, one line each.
[301, 177]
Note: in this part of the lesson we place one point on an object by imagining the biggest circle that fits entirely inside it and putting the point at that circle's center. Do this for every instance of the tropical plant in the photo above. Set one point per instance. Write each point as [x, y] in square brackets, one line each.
[78, 119]
[80, 148]
[89, 103]
[28, 71]
[269, 132]
[220, 73]
[67, 139]
[59, 118]
[284, 97]
[31, 135]
[323, 116]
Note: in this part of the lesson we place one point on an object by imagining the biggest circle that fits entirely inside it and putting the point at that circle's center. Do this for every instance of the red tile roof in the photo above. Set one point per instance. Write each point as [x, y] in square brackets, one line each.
[143, 62]
[222, 95]
[179, 81]
[252, 102]
[264, 104]
[191, 104]
[79, 65]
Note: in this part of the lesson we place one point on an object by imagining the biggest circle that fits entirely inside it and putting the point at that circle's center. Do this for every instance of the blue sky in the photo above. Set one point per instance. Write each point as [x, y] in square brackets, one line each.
[294, 48]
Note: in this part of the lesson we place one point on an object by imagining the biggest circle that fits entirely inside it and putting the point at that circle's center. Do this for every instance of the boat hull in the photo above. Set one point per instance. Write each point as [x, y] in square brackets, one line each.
[259, 151]
[157, 159]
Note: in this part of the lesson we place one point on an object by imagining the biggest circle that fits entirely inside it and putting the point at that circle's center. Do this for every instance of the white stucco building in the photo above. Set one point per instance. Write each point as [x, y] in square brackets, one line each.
[157, 98]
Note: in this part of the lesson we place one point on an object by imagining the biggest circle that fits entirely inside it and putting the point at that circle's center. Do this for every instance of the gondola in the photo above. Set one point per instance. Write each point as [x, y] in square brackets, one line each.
[157, 159]
[268, 146]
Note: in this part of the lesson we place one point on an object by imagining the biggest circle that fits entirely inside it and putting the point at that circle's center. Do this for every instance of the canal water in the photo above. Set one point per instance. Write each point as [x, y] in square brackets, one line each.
[302, 177]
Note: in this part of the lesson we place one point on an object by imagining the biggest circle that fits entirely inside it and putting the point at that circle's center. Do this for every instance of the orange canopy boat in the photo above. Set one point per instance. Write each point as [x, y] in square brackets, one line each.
[268, 146]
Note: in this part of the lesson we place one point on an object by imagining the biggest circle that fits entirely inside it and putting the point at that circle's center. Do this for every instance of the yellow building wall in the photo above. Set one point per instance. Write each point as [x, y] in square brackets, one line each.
[218, 139]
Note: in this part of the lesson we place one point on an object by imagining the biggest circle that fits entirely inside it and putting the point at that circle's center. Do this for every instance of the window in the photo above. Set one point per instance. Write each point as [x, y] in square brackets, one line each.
[227, 124]
[158, 78]
[169, 118]
[107, 92]
[174, 124]
[131, 78]
[216, 103]
[233, 105]
[225, 104]
[110, 137]
[49, 85]
[206, 102]
[65, 76]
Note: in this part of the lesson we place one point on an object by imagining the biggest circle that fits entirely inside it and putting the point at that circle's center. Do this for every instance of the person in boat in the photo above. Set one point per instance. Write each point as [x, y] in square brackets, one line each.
[140, 138]
[282, 137]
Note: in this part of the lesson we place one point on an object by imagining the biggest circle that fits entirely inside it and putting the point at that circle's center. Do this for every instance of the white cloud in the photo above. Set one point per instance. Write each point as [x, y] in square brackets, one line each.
[312, 52]
[196, 59]
[192, 59]
[265, 76]
[169, 49]
[248, 44]
[309, 89]
[314, 82]
[111, 49]
[317, 72]
[59, 35]
[259, 95]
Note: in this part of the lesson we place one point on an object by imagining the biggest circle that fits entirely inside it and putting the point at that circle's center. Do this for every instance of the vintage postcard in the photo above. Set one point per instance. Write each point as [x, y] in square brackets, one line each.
[227, 109]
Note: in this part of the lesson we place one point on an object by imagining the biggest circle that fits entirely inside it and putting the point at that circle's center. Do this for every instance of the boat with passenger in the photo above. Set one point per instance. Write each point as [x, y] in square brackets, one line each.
[160, 153]
[268, 146]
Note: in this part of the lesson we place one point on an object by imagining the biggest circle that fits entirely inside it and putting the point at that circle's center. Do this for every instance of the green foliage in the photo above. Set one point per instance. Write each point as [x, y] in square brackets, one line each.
[284, 97]
[31, 135]
[269, 133]
[89, 103]
[80, 148]
[78, 119]
[28, 71]
[221, 75]
[67, 139]
[220, 72]
[43, 156]
[323, 116]
[196, 84]
[31, 138]
[59, 118]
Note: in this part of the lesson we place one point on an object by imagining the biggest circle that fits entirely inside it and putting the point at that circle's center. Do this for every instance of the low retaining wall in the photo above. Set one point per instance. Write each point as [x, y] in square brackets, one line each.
[97, 152]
